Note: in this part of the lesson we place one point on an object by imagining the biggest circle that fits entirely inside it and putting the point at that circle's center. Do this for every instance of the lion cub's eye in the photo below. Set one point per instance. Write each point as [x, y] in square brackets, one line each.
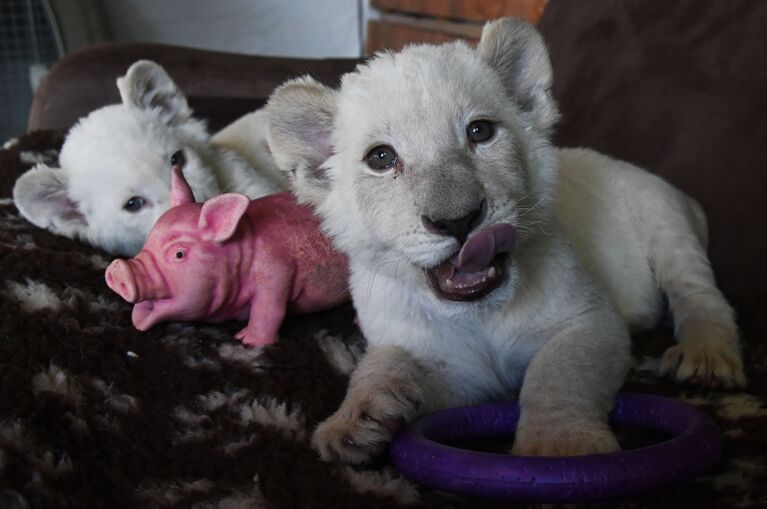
[480, 131]
[134, 204]
[178, 159]
[381, 158]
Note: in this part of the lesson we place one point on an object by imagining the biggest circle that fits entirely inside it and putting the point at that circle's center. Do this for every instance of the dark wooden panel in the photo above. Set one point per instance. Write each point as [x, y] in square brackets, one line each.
[387, 34]
[476, 10]
[462, 29]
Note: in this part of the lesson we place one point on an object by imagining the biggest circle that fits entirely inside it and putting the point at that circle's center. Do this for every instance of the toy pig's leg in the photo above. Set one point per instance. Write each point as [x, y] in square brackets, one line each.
[267, 310]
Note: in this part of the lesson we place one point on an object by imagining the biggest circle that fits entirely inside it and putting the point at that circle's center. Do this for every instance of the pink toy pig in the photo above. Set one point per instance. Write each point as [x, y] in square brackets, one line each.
[231, 259]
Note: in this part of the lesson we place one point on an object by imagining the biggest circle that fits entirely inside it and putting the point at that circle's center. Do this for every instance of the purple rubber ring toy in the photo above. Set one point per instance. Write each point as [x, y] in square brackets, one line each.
[694, 448]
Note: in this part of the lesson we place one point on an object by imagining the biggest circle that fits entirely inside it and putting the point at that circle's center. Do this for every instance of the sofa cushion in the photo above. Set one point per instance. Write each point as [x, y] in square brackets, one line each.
[220, 86]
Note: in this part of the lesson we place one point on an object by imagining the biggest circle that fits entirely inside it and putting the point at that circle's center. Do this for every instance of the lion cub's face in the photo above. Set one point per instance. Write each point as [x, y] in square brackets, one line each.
[433, 159]
[114, 179]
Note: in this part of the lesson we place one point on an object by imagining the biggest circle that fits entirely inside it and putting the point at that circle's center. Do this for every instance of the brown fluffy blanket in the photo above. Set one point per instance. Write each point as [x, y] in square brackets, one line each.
[94, 413]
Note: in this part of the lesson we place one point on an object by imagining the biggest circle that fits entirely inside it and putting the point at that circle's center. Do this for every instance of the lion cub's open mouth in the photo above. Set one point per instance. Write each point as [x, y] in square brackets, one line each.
[479, 266]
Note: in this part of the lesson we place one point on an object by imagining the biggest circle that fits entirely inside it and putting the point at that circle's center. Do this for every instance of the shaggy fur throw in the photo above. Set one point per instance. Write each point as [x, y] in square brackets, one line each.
[94, 413]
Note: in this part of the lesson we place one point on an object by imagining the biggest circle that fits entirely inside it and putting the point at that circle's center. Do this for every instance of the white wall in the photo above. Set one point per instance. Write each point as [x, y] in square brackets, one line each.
[299, 28]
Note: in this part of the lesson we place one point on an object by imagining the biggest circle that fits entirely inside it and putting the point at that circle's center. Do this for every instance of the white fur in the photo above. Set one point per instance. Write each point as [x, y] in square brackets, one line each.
[593, 243]
[246, 136]
[124, 150]
[641, 239]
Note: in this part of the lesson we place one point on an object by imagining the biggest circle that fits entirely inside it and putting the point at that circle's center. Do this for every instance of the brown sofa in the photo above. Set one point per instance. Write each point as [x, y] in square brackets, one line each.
[220, 86]
[94, 413]
[679, 88]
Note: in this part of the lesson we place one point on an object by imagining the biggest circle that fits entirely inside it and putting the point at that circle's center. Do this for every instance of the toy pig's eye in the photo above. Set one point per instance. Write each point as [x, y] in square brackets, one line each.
[480, 131]
[178, 159]
[381, 158]
[134, 204]
[177, 254]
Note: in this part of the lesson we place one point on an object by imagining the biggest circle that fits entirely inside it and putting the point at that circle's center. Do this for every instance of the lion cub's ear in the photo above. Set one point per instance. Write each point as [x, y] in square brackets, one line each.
[517, 51]
[42, 196]
[299, 127]
[147, 86]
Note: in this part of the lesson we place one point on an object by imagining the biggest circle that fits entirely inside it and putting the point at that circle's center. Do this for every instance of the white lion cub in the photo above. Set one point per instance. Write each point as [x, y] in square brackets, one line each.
[432, 169]
[114, 179]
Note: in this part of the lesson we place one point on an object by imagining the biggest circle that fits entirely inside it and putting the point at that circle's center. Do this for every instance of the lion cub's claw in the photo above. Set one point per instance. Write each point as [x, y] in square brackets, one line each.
[361, 430]
[712, 364]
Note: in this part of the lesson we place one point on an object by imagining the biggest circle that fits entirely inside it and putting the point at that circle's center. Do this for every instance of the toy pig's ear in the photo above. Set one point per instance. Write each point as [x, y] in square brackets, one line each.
[180, 192]
[221, 215]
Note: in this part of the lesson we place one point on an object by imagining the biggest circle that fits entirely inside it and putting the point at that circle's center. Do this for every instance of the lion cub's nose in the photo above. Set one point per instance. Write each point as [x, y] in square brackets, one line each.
[459, 227]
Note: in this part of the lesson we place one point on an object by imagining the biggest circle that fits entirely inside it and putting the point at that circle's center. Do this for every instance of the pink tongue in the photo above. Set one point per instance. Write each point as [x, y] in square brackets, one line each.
[480, 249]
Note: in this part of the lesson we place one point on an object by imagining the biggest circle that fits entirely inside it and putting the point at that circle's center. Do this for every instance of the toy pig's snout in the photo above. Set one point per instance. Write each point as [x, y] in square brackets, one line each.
[120, 278]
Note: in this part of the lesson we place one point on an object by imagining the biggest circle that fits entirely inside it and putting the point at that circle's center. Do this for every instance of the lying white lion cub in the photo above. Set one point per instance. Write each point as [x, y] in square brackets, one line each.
[472, 274]
[114, 179]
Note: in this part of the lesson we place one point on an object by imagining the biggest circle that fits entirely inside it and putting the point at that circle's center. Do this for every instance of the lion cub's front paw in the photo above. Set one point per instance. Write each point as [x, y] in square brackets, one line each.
[569, 440]
[360, 431]
[712, 363]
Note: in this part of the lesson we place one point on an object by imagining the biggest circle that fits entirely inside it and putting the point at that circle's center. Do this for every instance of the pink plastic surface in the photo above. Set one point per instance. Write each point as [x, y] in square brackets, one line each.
[231, 258]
